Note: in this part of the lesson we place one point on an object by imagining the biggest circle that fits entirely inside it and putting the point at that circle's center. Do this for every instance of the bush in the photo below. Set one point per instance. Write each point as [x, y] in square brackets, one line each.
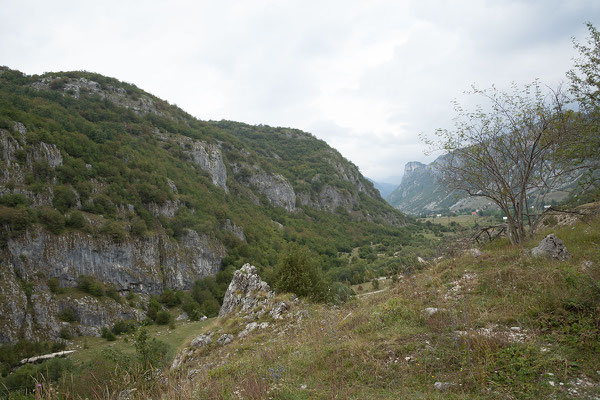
[170, 298]
[17, 219]
[340, 293]
[108, 335]
[26, 377]
[114, 230]
[153, 308]
[13, 200]
[64, 198]
[90, 285]
[65, 333]
[54, 286]
[375, 283]
[67, 315]
[76, 220]
[112, 292]
[52, 219]
[120, 327]
[151, 353]
[162, 317]
[298, 273]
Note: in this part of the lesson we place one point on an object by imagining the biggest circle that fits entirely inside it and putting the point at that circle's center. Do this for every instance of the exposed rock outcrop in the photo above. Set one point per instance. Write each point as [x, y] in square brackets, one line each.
[245, 291]
[551, 247]
[143, 265]
[28, 310]
[209, 158]
[276, 188]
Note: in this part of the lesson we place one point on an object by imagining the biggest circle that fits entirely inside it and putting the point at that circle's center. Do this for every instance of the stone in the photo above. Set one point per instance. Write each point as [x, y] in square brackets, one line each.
[201, 340]
[183, 317]
[430, 311]
[551, 247]
[225, 338]
[442, 386]
[474, 252]
[245, 291]
[278, 310]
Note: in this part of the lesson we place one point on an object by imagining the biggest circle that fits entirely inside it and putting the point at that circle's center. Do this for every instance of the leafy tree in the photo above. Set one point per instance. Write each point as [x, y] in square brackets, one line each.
[297, 272]
[510, 152]
[585, 87]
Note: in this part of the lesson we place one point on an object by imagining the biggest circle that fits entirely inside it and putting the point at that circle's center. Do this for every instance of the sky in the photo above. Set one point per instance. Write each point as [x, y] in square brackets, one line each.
[368, 77]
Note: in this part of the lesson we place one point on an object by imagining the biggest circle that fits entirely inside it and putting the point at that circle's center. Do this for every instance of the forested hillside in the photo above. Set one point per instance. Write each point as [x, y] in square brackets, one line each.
[103, 180]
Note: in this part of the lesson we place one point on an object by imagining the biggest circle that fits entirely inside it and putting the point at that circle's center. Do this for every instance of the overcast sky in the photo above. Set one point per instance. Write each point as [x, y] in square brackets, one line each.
[365, 76]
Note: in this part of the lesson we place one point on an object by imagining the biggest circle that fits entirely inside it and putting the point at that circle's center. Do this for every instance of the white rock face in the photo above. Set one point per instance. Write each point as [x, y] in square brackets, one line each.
[551, 247]
[245, 291]
[276, 188]
[209, 158]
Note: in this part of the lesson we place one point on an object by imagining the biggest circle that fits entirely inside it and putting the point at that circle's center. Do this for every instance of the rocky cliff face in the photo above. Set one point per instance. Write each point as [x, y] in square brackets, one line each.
[145, 265]
[28, 310]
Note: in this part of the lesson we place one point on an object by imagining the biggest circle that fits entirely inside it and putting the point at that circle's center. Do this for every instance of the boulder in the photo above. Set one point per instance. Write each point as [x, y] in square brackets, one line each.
[245, 291]
[474, 252]
[551, 247]
[201, 341]
[225, 339]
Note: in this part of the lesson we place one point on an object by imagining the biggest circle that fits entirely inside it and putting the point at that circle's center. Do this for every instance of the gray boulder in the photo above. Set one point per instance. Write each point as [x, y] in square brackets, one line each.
[551, 247]
[201, 341]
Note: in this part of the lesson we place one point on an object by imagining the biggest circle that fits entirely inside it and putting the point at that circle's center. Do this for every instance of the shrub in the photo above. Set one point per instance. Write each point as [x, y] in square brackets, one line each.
[13, 200]
[65, 333]
[54, 286]
[375, 283]
[297, 272]
[52, 219]
[90, 285]
[153, 308]
[120, 327]
[67, 315]
[17, 219]
[340, 293]
[76, 220]
[162, 317]
[26, 377]
[64, 198]
[108, 335]
[170, 298]
[112, 292]
[151, 353]
[115, 230]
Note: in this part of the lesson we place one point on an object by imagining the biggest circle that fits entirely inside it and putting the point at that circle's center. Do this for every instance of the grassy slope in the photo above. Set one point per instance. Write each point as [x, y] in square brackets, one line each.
[384, 346]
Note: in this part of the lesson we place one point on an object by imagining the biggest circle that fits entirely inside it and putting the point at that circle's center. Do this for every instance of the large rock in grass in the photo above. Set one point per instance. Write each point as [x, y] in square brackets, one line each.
[551, 247]
[245, 291]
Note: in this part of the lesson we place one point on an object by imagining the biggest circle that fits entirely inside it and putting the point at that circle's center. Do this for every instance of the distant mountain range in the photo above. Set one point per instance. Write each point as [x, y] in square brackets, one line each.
[385, 189]
[419, 192]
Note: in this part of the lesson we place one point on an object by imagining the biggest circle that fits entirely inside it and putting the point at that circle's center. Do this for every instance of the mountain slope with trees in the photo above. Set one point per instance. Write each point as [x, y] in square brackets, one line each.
[103, 180]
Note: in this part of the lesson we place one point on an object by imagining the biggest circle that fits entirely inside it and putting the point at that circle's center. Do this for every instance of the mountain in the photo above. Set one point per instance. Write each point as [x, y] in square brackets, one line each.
[385, 189]
[105, 188]
[419, 192]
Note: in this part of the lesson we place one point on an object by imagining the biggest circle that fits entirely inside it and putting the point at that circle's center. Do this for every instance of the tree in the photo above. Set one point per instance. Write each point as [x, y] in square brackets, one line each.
[511, 151]
[585, 88]
[298, 272]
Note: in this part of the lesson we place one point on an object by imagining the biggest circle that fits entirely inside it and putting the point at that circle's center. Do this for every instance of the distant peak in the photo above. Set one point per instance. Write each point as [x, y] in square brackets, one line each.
[413, 165]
